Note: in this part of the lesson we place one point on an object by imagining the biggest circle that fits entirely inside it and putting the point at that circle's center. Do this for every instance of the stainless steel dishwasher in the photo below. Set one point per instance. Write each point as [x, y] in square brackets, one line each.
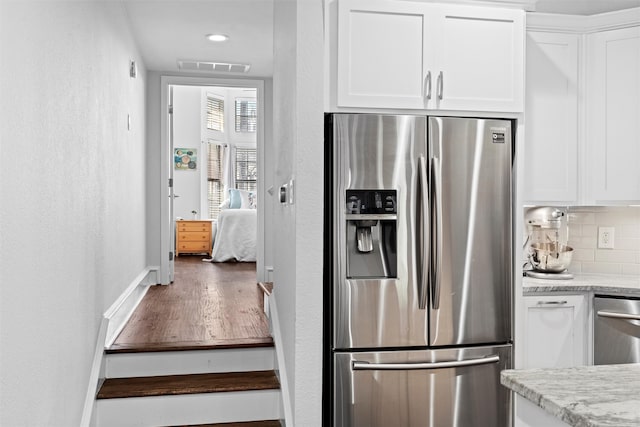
[616, 332]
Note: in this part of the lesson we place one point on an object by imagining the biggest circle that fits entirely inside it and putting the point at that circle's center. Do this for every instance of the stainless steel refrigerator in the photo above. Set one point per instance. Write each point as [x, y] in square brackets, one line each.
[418, 276]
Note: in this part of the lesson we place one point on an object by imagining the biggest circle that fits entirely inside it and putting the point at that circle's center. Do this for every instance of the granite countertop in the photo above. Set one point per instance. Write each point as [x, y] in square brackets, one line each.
[604, 283]
[593, 396]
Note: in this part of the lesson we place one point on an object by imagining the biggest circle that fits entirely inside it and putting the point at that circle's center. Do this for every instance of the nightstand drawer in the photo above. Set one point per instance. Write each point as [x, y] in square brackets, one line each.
[194, 236]
[193, 225]
[194, 246]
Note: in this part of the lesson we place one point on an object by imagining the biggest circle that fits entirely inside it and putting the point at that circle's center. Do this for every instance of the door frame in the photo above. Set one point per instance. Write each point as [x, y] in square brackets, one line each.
[166, 222]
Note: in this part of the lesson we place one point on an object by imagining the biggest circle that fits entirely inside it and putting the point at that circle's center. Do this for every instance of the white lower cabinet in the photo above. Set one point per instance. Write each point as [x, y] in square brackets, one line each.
[555, 331]
[529, 414]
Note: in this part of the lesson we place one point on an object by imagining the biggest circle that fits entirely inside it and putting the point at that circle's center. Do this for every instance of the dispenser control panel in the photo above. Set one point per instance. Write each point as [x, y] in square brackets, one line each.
[371, 201]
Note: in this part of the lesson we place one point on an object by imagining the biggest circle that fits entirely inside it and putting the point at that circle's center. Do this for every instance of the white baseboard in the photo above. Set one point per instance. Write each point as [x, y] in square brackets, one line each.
[286, 409]
[112, 323]
[120, 311]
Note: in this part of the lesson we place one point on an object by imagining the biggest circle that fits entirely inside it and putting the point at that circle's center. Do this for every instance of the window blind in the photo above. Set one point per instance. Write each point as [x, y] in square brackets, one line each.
[246, 115]
[246, 169]
[215, 113]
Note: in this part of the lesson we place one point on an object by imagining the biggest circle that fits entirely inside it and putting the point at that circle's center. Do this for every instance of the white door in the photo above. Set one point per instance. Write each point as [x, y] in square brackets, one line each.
[554, 332]
[551, 143]
[613, 126]
[383, 54]
[480, 59]
[172, 195]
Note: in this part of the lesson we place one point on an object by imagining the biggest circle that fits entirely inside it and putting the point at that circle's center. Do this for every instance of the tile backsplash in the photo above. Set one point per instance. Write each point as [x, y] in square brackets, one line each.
[623, 258]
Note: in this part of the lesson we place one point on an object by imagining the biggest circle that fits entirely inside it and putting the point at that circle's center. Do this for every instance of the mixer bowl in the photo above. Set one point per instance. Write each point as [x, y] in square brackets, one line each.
[550, 257]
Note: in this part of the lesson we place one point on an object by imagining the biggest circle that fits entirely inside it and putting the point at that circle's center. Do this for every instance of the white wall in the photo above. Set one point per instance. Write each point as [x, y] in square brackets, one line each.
[72, 199]
[298, 145]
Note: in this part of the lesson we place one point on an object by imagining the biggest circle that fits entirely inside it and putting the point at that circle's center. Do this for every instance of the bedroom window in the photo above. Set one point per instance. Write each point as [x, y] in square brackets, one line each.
[246, 115]
[246, 169]
[215, 112]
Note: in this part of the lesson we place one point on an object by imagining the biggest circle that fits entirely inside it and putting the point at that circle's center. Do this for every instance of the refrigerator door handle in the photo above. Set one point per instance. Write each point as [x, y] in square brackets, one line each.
[366, 366]
[423, 234]
[436, 250]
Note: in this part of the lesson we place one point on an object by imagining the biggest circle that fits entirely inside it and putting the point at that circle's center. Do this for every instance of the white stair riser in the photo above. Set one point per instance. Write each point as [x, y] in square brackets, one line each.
[189, 409]
[124, 365]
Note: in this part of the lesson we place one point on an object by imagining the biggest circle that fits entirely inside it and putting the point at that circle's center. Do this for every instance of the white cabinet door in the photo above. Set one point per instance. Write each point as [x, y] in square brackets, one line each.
[551, 115]
[397, 54]
[554, 331]
[382, 52]
[480, 59]
[614, 118]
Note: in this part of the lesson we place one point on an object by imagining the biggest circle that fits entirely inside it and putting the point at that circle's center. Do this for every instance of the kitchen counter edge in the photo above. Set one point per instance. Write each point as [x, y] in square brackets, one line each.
[603, 395]
[626, 285]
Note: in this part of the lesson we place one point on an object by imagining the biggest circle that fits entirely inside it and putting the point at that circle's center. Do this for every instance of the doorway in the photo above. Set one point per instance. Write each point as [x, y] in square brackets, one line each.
[213, 145]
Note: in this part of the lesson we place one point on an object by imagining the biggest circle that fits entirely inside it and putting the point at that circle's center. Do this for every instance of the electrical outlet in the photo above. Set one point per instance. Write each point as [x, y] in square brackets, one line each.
[606, 237]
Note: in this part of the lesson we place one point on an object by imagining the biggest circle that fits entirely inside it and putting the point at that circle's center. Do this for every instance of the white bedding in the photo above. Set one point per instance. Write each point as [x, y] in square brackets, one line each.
[235, 236]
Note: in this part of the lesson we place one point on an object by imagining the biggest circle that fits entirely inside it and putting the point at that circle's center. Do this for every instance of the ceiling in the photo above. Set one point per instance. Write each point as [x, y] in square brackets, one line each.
[170, 30]
[584, 7]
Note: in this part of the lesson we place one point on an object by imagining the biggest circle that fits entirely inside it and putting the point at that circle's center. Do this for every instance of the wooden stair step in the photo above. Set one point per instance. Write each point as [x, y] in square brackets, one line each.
[188, 384]
[265, 423]
[211, 344]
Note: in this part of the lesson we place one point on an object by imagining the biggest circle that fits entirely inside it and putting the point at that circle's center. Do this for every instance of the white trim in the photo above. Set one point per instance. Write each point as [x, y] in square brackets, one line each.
[88, 411]
[286, 411]
[120, 311]
[578, 24]
[113, 320]
[165, 241]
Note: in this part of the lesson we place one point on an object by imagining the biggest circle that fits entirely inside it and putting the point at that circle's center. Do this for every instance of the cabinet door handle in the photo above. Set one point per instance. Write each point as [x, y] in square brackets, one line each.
[427, 85]
[440, 85]
[552, 302]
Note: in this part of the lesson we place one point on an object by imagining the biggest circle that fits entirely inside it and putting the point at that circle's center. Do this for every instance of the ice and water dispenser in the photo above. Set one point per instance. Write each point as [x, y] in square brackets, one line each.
[371, 233]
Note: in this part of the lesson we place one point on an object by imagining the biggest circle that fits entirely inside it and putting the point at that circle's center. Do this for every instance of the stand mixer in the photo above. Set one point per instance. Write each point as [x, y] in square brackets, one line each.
[548, 256]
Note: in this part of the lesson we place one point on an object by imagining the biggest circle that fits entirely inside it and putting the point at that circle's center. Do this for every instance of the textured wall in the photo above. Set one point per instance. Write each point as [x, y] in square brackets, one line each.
[298, 143]
[72, 199]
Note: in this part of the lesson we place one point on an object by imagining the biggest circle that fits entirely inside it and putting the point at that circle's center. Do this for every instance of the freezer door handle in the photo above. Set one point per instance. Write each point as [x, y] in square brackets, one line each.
[423, 234]
[436, 268]
[366, 366]
[625, 316]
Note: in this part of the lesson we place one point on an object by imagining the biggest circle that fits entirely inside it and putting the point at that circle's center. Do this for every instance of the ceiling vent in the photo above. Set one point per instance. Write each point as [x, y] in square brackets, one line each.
[212, 67]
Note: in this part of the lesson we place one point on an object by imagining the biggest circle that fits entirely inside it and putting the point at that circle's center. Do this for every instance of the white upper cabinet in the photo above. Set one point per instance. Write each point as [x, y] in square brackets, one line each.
[551, 112]
[613, 125]
[479, 62]
[395, 54]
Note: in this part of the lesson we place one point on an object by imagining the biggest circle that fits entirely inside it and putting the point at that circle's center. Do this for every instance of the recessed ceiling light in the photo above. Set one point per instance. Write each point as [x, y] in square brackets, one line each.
[217, 37]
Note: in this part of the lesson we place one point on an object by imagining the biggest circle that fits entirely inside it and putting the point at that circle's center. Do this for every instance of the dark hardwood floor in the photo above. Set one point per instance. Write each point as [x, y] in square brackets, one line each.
[209, 305]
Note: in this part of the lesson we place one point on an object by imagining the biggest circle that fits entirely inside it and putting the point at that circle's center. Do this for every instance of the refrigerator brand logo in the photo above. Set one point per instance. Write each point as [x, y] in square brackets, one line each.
[498, 135]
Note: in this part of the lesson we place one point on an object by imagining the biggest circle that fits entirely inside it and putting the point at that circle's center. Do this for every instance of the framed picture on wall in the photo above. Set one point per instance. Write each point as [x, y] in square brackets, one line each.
[185, 158]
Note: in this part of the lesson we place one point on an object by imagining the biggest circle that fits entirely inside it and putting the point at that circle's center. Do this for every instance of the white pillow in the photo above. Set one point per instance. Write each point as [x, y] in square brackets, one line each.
[242, 199]
[225, 204]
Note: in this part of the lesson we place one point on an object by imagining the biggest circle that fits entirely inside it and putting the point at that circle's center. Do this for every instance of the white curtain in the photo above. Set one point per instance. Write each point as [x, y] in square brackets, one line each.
[228, 168]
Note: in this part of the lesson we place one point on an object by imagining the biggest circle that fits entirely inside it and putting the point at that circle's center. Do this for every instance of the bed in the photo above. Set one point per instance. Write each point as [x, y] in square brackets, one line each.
[235, 235]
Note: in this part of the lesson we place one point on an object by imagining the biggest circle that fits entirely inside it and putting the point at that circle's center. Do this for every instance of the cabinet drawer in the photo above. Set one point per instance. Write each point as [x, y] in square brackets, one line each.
[193, 246]
[193, 225]
[194, 236]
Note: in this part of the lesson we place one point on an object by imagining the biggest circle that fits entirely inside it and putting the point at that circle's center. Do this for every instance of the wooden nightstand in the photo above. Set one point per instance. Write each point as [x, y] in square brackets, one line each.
[193, 237]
